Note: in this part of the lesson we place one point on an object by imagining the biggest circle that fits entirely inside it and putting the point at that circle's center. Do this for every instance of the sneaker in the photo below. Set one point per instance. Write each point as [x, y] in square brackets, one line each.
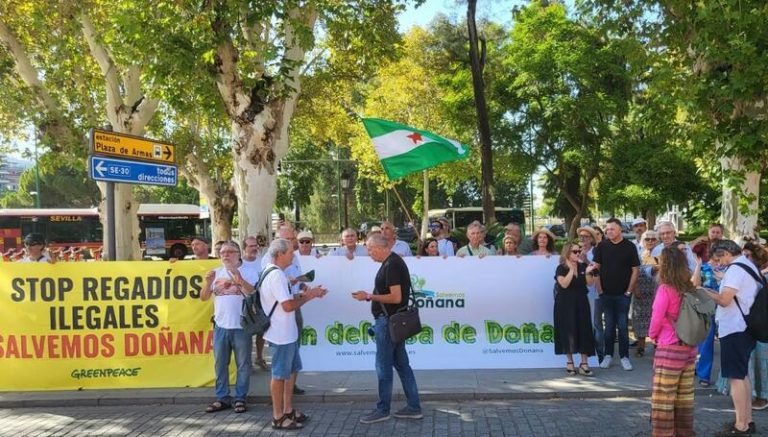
[606, 363]
[374, 416]
[625, 364]
[759, 404]
[408, 413]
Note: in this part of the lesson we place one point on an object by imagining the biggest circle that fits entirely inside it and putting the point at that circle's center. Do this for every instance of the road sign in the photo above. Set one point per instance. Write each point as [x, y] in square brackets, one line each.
[129, 146]
[131, 172]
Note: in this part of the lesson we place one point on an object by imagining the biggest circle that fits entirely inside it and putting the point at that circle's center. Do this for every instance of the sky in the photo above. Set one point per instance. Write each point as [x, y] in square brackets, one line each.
[498, 10]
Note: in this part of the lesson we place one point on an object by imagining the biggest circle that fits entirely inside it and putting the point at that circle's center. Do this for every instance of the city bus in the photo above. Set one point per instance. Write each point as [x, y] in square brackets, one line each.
[168, 227]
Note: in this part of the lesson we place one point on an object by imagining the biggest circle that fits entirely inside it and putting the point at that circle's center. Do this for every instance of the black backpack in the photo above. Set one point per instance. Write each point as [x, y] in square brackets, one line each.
[757, 319]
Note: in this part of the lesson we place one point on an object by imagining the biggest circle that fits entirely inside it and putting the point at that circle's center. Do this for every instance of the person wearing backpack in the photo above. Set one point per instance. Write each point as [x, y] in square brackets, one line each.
[674, 361]
[758, 364]
[737, 293]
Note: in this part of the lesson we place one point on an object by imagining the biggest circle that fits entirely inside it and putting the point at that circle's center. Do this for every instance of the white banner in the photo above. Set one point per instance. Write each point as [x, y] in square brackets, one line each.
[489, 313]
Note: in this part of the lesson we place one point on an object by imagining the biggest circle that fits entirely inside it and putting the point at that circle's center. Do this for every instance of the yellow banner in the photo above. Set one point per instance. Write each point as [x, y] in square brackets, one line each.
[104, 325]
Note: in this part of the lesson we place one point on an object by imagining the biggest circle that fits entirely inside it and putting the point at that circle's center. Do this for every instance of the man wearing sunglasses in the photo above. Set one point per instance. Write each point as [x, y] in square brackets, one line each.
[35, 246]
[305, 244]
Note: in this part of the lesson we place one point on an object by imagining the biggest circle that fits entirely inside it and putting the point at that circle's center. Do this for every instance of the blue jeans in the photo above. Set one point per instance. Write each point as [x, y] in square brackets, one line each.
[706, 354]
[226, 341]
[390, 355]
[597, 323]
[616, 310]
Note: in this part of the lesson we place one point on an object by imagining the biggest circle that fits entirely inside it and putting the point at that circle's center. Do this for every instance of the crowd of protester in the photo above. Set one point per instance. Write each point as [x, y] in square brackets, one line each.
[601, 279]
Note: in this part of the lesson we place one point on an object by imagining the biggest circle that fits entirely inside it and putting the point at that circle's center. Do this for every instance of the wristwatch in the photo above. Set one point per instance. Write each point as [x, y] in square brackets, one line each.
[368, 297]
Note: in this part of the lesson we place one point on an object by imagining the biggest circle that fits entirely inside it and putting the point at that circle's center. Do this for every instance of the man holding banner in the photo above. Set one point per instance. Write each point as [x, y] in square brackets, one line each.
[391, 293]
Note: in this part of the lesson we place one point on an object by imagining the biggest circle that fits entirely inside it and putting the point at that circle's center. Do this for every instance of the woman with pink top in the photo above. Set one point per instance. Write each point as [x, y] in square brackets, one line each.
[674, 361]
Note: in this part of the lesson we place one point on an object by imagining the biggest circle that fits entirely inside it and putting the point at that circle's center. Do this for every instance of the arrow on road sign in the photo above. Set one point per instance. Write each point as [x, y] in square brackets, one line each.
[168, 153]
[100, 168]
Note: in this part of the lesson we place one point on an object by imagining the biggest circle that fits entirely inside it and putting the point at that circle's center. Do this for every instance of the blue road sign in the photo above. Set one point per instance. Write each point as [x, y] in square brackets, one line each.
[131, 172]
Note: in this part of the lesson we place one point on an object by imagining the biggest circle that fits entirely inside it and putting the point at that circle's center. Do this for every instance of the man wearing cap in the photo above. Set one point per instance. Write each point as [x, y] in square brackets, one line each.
[200, 248]
[349, 246]
[639, 226]
[305, 244]
[35, 245]
[444, 245]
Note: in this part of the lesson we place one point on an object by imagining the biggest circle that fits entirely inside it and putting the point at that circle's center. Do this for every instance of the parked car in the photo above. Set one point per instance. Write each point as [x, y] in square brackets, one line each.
[558, 230]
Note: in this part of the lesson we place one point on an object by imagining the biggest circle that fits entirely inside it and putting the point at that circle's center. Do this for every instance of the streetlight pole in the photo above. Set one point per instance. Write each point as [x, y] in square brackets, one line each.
[344, 181]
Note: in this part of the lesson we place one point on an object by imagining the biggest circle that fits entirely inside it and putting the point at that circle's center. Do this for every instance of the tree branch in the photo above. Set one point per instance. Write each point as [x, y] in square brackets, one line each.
[106, 64]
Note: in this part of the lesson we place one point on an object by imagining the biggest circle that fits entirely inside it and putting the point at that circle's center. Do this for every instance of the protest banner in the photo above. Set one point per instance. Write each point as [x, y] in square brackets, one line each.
[142, 324]
[104, 325]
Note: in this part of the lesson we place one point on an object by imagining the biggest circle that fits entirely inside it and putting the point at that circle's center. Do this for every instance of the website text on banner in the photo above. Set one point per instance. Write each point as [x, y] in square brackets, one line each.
[489, 313]
[105, 325]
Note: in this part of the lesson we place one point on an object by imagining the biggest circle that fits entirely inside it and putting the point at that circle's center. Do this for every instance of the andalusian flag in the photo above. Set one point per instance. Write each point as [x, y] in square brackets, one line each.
[404, 150]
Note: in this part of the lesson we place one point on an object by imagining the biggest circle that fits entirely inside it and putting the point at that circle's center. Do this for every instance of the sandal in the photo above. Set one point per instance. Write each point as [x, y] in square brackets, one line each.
[298, 416]
[704, 383]
[281, 423]
[239, 407]
[261, 363]
[217, 406]
[570, 370]
[584, 370]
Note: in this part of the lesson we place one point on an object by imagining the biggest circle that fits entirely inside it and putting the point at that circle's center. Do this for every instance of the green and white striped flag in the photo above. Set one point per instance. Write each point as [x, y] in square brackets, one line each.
[404, 150]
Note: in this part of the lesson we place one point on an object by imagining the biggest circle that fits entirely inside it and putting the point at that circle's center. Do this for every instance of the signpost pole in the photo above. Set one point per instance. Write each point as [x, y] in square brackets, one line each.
[111, 232]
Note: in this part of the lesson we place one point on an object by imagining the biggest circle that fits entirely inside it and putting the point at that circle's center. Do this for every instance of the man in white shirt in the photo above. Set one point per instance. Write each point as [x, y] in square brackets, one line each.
[397, 246]
[293, 272]
[305, 240]
[737, 293]
[35, 245]
[283, 333]
[639, 226]
[668, 235]
[349, 246]
[475, 246]
[229, 284]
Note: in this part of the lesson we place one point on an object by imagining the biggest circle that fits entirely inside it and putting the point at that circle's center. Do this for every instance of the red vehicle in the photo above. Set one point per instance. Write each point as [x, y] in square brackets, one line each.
[170, 226]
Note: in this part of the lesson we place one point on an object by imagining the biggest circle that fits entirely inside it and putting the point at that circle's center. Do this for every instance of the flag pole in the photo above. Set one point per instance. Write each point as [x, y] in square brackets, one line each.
[405, 210]
[425, 208]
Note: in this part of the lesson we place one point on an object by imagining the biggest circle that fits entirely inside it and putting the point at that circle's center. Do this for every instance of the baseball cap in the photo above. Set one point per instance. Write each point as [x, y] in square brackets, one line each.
[305, 235]
[638, 221]
[34, 239]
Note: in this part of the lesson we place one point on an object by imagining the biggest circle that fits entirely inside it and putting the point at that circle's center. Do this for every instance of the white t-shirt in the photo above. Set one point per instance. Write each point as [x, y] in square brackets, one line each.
[445, 247]
[401, 248]
[343, 251]
[312, 252]
[253, 265]
[292, 271]
[228, 299]
[283, 328]
[729, 319]
[43, 259]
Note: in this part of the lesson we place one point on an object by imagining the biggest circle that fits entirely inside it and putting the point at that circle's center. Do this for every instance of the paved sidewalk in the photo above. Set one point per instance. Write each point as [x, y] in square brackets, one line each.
[434, 385]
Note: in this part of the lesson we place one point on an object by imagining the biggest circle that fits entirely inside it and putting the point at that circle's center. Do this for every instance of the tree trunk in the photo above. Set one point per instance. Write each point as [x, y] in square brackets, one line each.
[483, 126]
[740, 199]
[219, 194]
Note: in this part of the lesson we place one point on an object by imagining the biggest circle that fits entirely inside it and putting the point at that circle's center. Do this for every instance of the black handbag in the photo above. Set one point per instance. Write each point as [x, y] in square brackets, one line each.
[403, 324]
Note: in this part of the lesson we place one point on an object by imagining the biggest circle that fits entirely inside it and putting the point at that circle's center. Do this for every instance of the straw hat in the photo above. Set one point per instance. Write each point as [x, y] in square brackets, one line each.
[589, 229]
[544, 230]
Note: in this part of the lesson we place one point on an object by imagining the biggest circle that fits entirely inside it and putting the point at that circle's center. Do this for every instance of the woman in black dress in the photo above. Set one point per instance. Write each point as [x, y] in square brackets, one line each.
[573, 321]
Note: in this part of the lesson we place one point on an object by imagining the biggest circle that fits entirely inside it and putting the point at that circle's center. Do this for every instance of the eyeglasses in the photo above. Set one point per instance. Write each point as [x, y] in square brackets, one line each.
[585, 237]
[576, 252]
[650, 239]
[305, 241]
[224, 252]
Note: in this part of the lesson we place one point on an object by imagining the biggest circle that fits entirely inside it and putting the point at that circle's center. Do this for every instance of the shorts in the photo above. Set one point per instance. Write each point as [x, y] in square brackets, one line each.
[735, 350]
[285, 360]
